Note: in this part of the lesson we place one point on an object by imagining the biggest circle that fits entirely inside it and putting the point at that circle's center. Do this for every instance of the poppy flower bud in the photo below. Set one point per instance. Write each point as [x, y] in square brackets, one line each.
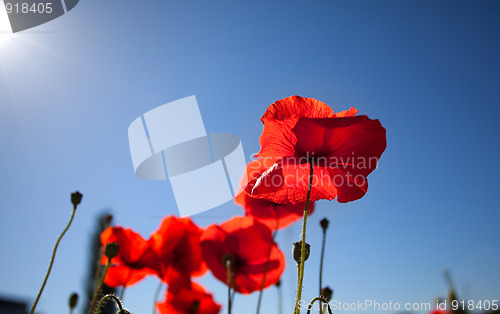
[324, 224]
[124, 311]
[297, 251]
[111, 250]
[76, 198]
[73, 299]
[327, 293]
[228, 260]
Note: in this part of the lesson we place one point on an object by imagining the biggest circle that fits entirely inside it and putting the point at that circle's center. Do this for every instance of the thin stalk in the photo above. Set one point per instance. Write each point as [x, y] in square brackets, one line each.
[303, 248]
[109, 296]
[321, 269]
[99, 287]
[98, 269]
[233, 294]
[448, 280]
[124, 287]
[52, 261]
[309, 307]
[229, 283]
[122, 292]
[280, 300]
[261, 292]
[157, 293]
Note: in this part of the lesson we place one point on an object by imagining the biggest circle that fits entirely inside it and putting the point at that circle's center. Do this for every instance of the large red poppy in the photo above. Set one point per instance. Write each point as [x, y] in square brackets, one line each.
[135, 257]
[343, 148]
[188, 301]
[177, 247]
[248, 241]
[273, 215]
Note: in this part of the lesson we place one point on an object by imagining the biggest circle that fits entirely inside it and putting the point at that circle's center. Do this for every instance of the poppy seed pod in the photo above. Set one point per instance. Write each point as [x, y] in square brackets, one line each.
[297, 251]
[324, 224]
[111, 250]
[107, 219]
[76, 198]
[73, 300]
[327, 293]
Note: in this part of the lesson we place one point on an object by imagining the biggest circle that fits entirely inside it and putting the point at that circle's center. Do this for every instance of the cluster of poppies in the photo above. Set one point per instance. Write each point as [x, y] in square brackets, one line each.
[308, 153]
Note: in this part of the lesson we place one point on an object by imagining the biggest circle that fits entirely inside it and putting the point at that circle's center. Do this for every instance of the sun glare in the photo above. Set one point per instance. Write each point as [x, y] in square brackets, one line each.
[5, 29]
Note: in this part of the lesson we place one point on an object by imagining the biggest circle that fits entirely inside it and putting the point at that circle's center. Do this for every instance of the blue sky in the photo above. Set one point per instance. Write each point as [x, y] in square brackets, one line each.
[428, 70]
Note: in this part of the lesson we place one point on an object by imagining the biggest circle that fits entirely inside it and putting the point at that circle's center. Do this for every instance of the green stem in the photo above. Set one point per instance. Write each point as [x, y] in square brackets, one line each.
[229, 283]
[109, 296]
[447, 278]
[280, 300]
[309, 307]
[303, 248]
[233, 294]
[268, 259]
[99, 287]
[157, 293]
[98, 269]
[321, 269]
[122, 292]
[52, 261]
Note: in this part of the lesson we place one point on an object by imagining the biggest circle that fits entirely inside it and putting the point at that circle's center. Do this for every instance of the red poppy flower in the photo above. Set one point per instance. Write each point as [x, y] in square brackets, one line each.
[343, 148]
[189, 301]
[177, 247]
[135, 258]
[273, 215]
[247, 240]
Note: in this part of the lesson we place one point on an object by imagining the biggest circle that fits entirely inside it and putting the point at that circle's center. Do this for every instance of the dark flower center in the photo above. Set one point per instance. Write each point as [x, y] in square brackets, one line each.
[308, 157]
[194, 307]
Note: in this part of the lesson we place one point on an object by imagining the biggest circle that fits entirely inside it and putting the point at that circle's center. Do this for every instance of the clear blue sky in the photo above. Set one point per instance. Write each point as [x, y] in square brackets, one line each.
[429, 70]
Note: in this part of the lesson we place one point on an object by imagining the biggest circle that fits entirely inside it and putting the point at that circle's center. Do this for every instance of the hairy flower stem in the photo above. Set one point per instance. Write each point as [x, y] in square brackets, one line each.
[99, 287]
[98, 268]
[157, 293]
[109, 296]
[303, 248]
[52, 260]
[267, 262]
[309, 307]
[321, 269]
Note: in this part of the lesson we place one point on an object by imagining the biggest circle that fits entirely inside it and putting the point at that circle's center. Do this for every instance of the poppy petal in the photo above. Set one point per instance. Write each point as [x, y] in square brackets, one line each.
[352, 142]
[277, 139]
[248, 240]
[122, 276]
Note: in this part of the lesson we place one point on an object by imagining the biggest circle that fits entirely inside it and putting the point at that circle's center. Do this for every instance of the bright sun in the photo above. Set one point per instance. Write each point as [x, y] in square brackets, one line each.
[5, 29]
